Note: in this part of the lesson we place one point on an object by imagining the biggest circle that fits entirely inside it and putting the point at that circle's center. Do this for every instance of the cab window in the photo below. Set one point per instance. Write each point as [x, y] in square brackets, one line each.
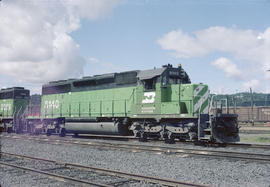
[149, 84]
[174, 80]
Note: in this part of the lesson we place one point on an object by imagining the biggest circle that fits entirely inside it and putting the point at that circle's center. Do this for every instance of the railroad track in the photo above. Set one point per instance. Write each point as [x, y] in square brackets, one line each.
[131, 138]
[158, 149]
[254, 131]
[246, 145]
[81, 174]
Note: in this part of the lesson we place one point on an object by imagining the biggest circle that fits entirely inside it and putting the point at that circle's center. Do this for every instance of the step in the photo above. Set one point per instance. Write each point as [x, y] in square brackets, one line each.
[207, 130]
[206, 137]
[208, 124]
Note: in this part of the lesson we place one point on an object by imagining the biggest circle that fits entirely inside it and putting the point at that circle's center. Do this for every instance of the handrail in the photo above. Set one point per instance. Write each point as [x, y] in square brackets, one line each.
[199, 122]
[210, 108]
[14, 113]
[211, 103]
[18, 112]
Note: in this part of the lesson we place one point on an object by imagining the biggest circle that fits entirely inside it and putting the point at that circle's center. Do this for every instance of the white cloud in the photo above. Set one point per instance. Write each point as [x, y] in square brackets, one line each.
[182, 44]
[221, 90]
[230, 69]
[248, 48]
[35, 41]
[255, 84]
[241, 43]
[93, 60]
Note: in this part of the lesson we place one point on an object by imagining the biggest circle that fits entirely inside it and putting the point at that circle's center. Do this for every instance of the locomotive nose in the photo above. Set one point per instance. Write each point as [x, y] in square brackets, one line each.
[225, 128]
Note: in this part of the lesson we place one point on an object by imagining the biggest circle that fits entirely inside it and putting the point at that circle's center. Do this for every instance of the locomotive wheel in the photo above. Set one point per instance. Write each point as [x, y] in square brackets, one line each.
[48, 132]
[76, 135]
[4, 128]
[9, 130]
[32, 130]
[62, 132]
[18, 129]
[28, 128]
[199, 143]
[182, 140]
[36, 132]
[143, 137]
[170, 140]
[136, 134]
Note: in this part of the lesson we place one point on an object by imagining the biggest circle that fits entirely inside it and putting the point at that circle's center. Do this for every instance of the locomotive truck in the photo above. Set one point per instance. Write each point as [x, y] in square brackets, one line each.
[156, 103]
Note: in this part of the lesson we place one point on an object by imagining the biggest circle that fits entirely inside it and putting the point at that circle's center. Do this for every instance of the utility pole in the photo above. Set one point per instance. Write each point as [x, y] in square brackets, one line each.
[228, 104]
[252, 117]
[234, 104]
[266, 97]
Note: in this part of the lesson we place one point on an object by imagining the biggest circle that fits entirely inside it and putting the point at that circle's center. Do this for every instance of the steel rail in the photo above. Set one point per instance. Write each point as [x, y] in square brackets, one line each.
[129, 138]
[174, 150]
[150, 179]
[254, 132]
[247, 145]
[57, 176]
[162, 149]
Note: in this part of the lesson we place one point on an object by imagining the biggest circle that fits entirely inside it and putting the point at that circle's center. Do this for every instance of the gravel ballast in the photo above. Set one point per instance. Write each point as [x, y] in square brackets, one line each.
[13, 177]
[209, 171]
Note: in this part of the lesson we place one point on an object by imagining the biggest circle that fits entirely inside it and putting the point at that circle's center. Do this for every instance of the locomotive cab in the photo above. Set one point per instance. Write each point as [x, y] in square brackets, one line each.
[164, 100]
[168, 106]
[165, 91]
[167, 75]
[174, 76]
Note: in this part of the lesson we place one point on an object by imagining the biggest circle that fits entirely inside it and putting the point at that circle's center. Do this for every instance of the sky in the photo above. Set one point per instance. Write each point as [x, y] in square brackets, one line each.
[222, 43]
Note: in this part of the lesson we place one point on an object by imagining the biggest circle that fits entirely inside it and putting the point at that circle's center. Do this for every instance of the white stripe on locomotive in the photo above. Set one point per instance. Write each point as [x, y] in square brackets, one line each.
[203, 99]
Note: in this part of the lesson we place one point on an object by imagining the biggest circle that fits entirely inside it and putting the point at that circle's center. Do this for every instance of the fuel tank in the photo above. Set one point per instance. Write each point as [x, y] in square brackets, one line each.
[107, 128]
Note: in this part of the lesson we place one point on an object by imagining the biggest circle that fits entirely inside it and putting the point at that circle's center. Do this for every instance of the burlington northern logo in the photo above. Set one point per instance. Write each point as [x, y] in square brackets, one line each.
[149, 97]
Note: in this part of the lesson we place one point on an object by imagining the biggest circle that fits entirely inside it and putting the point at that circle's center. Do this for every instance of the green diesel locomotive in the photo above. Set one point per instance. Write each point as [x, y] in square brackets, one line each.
[13, 104]
[157, 103]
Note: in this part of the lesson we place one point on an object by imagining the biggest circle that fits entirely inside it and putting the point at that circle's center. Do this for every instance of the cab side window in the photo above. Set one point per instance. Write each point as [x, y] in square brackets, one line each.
[174, 80]
[164, 81]
[149, 84]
